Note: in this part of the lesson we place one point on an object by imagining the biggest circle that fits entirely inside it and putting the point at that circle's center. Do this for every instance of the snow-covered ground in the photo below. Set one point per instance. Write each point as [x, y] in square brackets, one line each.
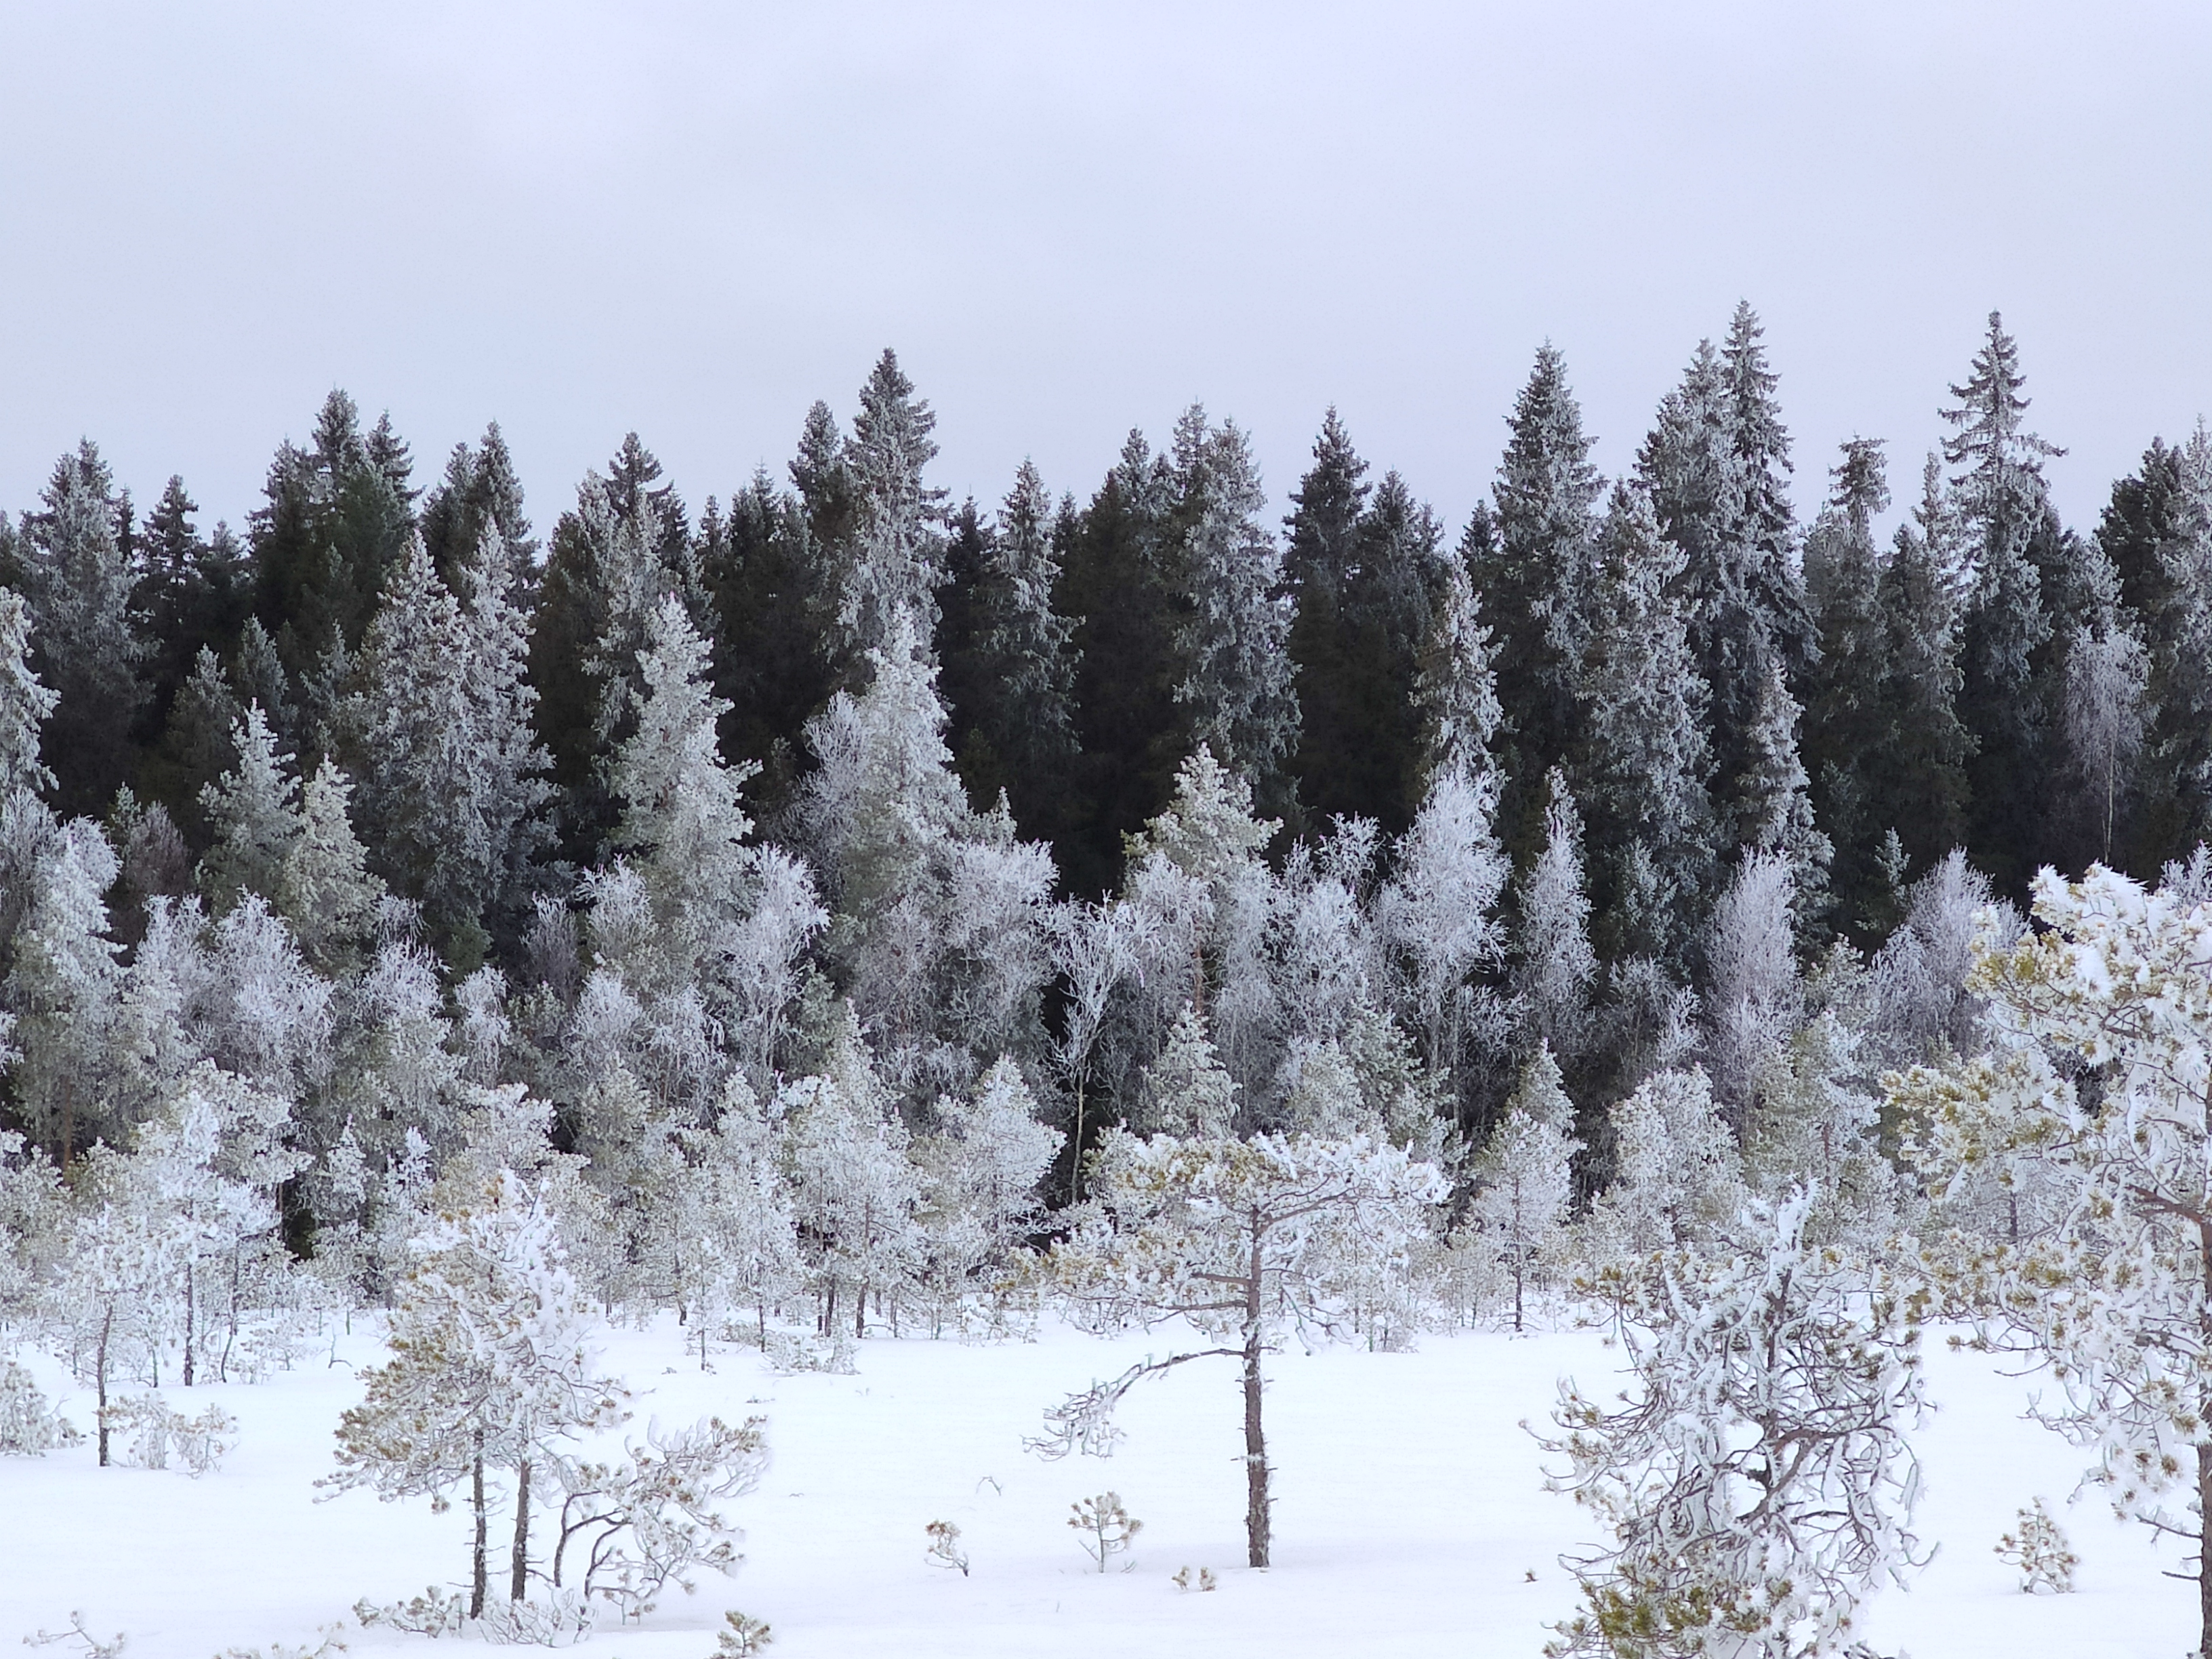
[1410, 1516]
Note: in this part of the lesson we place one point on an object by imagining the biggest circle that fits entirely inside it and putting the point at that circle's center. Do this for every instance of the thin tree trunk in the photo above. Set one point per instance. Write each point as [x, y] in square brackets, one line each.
[99, 1378]
[2203, 1567]
[1256, 1526]
[1075, 1158]
[519, 1578]
[191, 1314]
[477, 1583]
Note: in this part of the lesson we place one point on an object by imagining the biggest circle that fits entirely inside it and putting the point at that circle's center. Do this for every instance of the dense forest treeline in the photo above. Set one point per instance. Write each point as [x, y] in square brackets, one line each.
[1120, 786]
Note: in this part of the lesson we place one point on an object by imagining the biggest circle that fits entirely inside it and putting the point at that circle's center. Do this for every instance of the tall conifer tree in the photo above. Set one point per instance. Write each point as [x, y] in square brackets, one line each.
[1532, 579]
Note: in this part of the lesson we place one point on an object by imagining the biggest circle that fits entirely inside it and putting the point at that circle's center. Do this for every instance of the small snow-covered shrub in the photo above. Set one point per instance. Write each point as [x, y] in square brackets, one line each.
[331, 1642]
[90, 1645]
[29, 1426]
[1204, 1581]
[2038, 1546]
[1103, 1527]
[945, 1549]
[745, 1636]
[788, 1353]
[82, 1640]
[434, 1613]
[564, 1619]
[152, 1432]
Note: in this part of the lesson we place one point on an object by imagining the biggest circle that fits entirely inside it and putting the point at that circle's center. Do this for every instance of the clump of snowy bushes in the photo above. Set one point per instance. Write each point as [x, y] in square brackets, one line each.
[29, 1424]
[153, 1432]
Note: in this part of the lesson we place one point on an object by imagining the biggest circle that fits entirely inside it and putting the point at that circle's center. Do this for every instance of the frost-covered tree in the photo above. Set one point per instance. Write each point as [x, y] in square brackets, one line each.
[894, 562]
[1716, 464]
[1923, 1008]
[938, 931]
[1437, 915]
[1753, 997]
[2008, 692]
[253, 810]
[980, 1173]
[855, 1190]
[1677, 1177]
[682, 824]
[1238, 688]
[1643, 777]
[77, 577]
[206, 1169]
[1188, 1090]
[2106, 708]
[1524, 1178]
[423, 763]
[26, 702]
[493, 1367]
[1247, 1241]
[1555, 964]
[1846, 726]
[728, 1243]
[323, 885]
[1533, 578]
[61, 987]
[1455, 686]
[1757, 1482]
[1197, 876]
[2094, 1103]
[1772, 807]
[103, 1308]
[612, 556]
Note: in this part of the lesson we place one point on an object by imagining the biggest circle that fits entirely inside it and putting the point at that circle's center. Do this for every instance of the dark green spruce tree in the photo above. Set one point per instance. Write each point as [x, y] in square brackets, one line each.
[1009, 657]
[84, 645]
[1122, 590]
[333, 523]
[1846, 732]
[775, 653]
[1533, 579]
[2010, 632]
[624, 545]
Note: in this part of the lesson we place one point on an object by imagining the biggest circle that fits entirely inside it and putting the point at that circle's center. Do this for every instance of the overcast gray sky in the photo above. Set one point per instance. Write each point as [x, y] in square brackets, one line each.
[693, 221]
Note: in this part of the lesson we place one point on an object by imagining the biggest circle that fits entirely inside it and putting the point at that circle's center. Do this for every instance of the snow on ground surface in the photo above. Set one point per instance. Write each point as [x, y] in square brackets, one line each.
[1409, 1515]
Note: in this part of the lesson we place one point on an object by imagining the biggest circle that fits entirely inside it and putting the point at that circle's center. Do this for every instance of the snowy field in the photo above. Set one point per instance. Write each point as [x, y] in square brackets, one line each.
[1409, 1515]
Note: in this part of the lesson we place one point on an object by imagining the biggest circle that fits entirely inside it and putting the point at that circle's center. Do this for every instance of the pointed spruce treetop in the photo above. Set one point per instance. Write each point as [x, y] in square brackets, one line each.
[896, 563]
[1322, 526]
[1990, 441]
[1532, 578]
[324, 886]
[254, 811]
[1238, 684]
[682, 817]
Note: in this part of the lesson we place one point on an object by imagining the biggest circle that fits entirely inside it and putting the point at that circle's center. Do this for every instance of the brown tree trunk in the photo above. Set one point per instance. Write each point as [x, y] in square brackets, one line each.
[1256, 1520]
[191, 1316]
[99, 1379]
[519, 1577]
[2203, 1567]
[477, 1585]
